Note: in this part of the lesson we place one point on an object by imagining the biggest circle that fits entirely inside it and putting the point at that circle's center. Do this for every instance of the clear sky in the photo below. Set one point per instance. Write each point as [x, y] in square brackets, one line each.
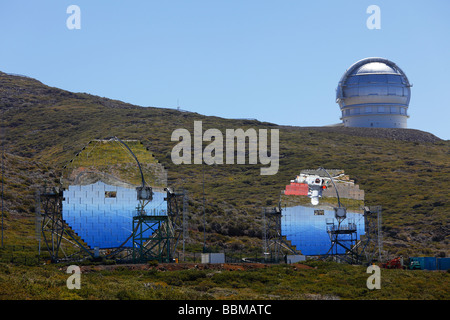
[277, 61]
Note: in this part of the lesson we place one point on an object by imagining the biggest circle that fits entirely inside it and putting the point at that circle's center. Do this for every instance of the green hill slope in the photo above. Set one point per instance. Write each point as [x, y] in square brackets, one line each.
[404, 170]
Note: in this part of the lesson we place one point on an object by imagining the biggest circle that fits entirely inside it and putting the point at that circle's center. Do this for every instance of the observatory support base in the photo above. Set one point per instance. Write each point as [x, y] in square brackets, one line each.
[151, 239]
[52, 229]
[273, 241]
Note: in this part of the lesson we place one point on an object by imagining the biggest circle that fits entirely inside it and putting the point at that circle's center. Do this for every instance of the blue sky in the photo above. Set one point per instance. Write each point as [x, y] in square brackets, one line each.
[277, 61]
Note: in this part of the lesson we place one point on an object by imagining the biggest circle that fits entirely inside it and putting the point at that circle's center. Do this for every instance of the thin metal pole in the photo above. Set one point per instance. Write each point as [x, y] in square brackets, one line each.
[379, 234]
[3, 173]
[204, 212]
[337, 193]
[185, 204]
[135, 158]
[264, 237]
[3, 170]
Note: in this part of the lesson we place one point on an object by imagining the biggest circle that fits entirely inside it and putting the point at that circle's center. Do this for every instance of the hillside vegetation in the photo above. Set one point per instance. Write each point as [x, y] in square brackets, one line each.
[403, 170]
[314, 281]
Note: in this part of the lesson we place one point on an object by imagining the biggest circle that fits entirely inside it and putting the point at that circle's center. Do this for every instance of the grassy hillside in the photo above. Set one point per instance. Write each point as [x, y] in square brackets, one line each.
[403, 170]
[313, 281]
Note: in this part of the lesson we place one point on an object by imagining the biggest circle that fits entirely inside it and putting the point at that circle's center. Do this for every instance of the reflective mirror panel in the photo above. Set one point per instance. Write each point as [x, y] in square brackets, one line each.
[102, 214]
[306, 228]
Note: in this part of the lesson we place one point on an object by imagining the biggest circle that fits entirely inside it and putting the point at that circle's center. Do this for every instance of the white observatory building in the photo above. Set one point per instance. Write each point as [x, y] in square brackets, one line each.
[374, 92]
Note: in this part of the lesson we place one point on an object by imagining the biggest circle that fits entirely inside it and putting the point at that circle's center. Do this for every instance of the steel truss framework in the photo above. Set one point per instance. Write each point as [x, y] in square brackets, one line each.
[367, 249]
[52, 225]
[152, 236]
[273, 242]
[165, 231]
[373, 244]
[63, 244]
[343, 236]
[53, 230]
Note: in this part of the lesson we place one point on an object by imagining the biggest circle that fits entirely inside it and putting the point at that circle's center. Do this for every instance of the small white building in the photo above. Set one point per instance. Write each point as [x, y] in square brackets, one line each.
[213, 257]
[294, 258]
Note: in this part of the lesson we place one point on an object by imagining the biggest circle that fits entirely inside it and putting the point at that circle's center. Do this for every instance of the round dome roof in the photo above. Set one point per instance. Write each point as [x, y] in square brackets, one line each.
[372, 77]
[374, 67]
[374, 92]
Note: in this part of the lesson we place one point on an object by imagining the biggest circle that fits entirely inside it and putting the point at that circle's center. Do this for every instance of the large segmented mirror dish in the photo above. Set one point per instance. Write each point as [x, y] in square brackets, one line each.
[306, 225]
[100, 196]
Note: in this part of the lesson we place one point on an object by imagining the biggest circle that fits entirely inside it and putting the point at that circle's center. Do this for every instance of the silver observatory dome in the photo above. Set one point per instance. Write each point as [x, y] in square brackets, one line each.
[374, 92]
